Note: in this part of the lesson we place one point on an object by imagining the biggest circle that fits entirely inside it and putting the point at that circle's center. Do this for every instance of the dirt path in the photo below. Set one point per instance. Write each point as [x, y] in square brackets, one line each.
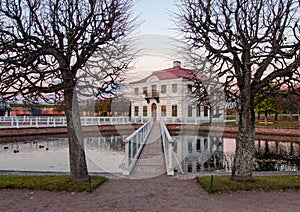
[155, 194]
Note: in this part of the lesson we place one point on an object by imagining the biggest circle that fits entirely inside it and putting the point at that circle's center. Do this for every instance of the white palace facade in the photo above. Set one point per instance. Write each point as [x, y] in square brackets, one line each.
[166, 95]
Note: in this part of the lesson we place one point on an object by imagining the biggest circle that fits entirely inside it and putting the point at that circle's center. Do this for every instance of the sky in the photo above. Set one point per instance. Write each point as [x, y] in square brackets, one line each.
[155, 36]
[155, 16]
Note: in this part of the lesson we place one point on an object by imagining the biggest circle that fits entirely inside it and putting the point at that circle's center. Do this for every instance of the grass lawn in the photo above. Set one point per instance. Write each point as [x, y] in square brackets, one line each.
[280, 124]
[49, 183]
[225, 184]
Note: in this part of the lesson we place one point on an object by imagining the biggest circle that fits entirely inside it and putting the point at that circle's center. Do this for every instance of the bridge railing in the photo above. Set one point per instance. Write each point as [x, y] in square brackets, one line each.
[168, 146]
[134, 145]
[57, 121]
[190, 120]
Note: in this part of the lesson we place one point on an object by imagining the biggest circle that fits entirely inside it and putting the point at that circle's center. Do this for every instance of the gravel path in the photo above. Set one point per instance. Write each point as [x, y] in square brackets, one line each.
[162, 193]
[154, 194]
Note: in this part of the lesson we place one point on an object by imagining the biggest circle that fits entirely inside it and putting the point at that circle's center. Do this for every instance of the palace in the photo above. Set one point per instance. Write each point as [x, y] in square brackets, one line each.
[166, 95]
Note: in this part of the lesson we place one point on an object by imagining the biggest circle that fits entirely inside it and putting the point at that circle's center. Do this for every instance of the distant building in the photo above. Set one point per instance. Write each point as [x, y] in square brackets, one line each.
[166, 95]
[36, 110]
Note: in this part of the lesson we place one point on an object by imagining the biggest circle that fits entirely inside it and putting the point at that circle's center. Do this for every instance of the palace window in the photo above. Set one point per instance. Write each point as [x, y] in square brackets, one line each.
[198, 167]
[190, 111]
[190, 88]
[163, 110]
[136, 91]
[205, 143]
[174, 88]
[145, 111]
[190, 167]
[136, 110]
[198, 145]
[174, 110]
[205, 110]
[145, 91]
[190, 147]
[163, 89]
[154, 91]
[198, 112]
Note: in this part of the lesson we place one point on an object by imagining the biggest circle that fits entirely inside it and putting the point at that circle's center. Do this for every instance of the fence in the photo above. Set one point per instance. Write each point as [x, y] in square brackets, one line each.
[54, 121]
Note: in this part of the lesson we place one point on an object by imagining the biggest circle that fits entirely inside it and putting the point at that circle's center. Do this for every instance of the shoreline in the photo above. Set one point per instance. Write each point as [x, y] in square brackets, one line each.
[262, 132]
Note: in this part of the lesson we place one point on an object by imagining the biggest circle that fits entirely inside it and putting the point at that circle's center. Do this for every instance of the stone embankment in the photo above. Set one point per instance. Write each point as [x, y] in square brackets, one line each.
[105, 130]
[291, 134]
[263, 133]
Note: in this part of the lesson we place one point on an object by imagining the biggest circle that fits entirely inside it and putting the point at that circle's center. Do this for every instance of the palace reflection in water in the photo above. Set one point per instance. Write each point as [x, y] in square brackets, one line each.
[205, 153]
[106, 154]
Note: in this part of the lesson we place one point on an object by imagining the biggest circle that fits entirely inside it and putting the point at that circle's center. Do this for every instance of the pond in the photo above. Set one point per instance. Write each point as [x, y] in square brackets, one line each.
[203, 153]
[104, 154]
[192, 154]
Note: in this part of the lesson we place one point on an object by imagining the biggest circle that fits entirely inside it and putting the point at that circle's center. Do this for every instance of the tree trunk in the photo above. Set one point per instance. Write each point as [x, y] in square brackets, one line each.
[244, 153]
[266, 119]
[211, 112]
[291, 116]
[78, 167]
[276, 117]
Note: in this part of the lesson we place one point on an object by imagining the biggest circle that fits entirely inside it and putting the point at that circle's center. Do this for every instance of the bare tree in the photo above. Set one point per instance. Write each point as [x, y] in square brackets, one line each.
[253, 45]
[205, 88]
[291, 104]
[45, 47]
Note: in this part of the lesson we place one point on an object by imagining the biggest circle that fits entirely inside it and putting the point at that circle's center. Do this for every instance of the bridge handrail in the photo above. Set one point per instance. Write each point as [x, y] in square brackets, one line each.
[168, 143]
[134, 145]
[57, 121]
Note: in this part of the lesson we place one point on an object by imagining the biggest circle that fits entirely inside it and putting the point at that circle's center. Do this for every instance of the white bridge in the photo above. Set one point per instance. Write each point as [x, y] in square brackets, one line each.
[149, 152]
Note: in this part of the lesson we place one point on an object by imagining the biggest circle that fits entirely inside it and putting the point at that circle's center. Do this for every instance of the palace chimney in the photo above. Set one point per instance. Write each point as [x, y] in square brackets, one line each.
[176, 64]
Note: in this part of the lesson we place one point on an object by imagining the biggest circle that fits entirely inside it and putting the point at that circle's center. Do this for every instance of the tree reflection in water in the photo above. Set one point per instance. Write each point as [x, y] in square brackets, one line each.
[207, 154]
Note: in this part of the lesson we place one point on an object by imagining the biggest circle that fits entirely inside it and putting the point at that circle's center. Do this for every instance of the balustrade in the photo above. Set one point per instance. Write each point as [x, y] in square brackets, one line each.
[168, 145]
[55, 121]
[134, 145]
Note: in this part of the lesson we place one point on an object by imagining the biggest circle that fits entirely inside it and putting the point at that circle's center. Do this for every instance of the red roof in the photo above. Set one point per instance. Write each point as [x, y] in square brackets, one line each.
[171, 73]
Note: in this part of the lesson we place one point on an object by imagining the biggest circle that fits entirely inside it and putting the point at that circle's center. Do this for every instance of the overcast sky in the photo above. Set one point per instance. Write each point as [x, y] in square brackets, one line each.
[156, 36]
[155, 16]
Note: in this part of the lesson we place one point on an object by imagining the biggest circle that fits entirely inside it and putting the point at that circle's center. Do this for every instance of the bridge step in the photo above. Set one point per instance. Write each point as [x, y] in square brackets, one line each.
[147, 172]
[155, 160]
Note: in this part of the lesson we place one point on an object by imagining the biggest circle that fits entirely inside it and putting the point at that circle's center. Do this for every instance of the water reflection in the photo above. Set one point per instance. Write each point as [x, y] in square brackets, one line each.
[204, 153]
[104, 154]
[277, 156]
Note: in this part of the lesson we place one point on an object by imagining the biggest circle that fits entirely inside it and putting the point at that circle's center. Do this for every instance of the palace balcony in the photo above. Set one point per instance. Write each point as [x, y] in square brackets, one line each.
[152, 95]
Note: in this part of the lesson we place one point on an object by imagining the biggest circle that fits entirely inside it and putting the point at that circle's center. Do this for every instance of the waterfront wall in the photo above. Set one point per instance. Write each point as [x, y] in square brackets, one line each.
[104, 130]
[263, 133]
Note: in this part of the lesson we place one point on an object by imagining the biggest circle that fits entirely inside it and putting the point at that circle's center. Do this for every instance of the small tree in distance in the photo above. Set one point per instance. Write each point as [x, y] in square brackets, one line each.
[252, 45]
[45, 47]
[268, 106]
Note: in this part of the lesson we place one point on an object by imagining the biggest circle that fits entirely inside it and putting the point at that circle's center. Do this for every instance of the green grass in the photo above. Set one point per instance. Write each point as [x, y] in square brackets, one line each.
[274, 124]
[231, 123]
[225, 184]
[49, 183]
[281, 124]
